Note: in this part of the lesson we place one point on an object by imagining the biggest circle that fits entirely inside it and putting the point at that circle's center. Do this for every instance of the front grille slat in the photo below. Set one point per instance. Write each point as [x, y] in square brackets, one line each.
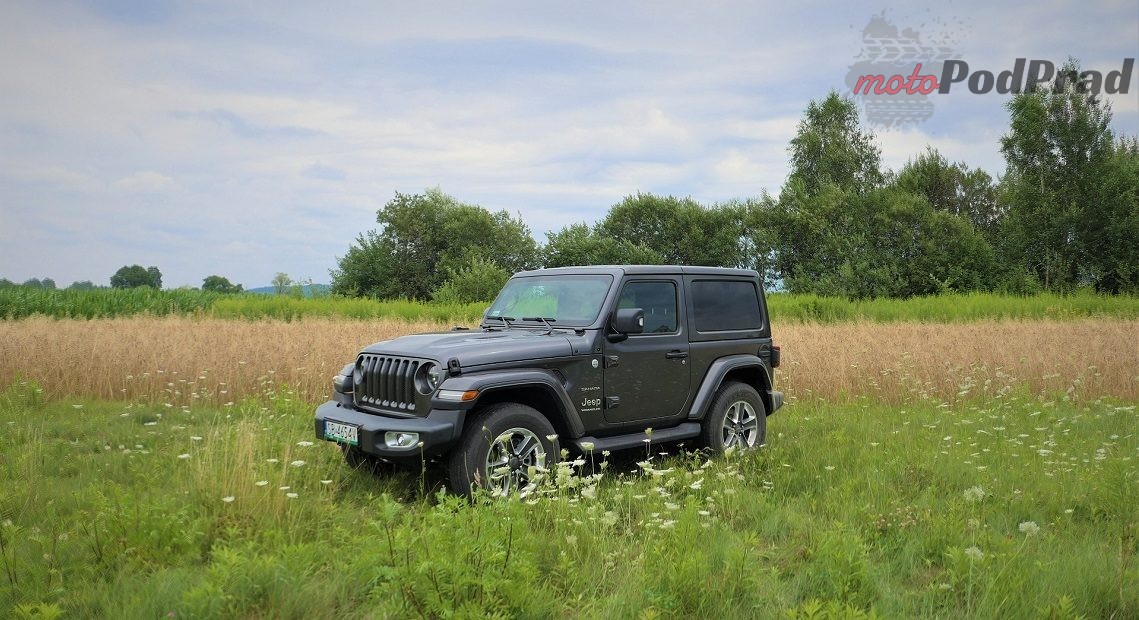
[386, 382]
[372, 387]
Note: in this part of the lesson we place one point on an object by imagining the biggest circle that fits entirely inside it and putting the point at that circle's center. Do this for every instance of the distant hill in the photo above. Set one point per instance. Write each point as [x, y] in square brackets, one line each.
[309, 290]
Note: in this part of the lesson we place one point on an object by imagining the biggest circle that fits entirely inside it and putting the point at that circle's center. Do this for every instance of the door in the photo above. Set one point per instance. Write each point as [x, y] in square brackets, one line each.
[647, 375]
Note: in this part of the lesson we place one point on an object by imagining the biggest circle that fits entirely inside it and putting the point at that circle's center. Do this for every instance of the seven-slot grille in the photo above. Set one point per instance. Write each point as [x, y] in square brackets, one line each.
[385, 382]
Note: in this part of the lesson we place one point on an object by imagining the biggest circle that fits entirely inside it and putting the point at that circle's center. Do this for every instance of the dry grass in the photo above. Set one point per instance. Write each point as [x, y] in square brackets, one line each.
[901, 362]
[186, 361]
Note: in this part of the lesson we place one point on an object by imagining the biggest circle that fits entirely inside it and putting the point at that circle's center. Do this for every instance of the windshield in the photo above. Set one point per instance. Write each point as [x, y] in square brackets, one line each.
[569, 300]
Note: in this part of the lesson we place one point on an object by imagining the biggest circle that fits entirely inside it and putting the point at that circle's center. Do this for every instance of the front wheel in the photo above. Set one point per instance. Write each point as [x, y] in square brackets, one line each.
[737, 419]
[499, 447]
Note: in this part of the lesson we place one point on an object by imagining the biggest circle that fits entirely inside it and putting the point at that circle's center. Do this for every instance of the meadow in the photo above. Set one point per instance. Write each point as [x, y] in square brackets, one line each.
[164, 466]
[1006, 506]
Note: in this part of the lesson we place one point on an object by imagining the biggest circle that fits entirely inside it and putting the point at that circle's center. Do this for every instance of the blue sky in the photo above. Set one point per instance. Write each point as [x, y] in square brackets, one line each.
[244, 139]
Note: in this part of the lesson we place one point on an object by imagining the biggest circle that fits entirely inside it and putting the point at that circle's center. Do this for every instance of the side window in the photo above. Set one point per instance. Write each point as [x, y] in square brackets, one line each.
[657, 299]
[725, 305]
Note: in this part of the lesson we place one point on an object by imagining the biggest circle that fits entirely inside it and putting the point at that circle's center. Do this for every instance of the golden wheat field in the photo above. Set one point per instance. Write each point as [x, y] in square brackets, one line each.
[187, 361]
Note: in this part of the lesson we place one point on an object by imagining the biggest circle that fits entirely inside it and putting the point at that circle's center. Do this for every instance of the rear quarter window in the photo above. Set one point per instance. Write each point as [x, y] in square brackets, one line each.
[725, 305]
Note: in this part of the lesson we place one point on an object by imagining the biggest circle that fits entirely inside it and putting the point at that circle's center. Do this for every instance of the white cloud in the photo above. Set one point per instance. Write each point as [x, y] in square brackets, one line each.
[145, 182]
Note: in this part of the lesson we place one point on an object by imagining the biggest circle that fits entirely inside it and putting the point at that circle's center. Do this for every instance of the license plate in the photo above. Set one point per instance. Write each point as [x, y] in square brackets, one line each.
[342, 433]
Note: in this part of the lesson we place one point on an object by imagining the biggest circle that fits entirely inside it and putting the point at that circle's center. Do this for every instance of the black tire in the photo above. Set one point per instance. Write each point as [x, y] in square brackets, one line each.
[737, 418]
[511, 435]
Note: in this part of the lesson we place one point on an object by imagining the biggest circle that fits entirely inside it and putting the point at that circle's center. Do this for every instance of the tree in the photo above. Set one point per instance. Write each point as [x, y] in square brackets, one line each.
[952, 188]
[219, 284]
[82, 285]
[46, 283]
[1110, 229]
[886, 243]
[155, 277]
[578, 244]
[281, 283]
[135, 276]
[831, 148]
[1059, 150]
[680, 230]
[425, 237]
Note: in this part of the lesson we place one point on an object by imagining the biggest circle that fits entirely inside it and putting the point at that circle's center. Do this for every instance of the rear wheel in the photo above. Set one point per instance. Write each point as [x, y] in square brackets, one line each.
[499, 447]
[737, 419]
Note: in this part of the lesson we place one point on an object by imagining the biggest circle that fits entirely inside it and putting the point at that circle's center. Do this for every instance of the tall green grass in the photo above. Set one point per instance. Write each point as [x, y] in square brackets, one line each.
[292, 308]
[17, 302]
[20, 302]
[950, 308]
[1003, 507]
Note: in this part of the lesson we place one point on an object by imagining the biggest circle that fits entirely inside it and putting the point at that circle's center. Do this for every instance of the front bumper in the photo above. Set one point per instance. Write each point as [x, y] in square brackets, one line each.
[438, 431]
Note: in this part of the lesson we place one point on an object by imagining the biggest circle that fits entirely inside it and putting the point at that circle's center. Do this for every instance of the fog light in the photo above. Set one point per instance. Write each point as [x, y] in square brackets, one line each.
[400, 440]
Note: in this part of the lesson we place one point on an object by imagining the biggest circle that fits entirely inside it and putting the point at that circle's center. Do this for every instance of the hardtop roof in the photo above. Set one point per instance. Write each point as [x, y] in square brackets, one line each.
[618, 270]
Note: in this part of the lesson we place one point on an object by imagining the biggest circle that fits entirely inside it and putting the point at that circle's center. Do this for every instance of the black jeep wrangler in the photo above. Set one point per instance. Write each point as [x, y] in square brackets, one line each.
[585, 358]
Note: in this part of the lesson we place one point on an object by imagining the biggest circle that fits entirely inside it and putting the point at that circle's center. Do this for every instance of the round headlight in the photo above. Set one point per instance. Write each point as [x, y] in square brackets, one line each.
[428, 377]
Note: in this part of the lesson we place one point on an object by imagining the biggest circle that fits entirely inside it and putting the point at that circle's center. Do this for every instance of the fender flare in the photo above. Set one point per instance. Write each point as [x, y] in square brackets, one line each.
[719, 369]
[499, 380]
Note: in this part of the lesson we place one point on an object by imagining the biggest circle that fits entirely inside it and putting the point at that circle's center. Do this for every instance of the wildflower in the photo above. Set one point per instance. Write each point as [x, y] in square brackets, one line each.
[703, 513]
[77, 406]
[183, 456]
[284, 488]
[274, 461]
[326, 482]
[291, 495]
[974, 554]
[1029, 528]
[974, 494]
[228, 499]
[668, 525]
[195, 438]
[695, 486]
[261, 483]
[587, 446]
[297, 463]
[671, 506]
[304, 444]
[829, 468]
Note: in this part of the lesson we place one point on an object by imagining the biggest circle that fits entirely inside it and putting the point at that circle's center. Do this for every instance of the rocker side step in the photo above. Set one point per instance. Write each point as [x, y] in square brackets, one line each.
[686, 430]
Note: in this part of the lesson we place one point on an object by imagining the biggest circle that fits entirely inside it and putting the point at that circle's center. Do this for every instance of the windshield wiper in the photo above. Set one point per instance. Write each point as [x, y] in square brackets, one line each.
[544, 320]
[505, 320]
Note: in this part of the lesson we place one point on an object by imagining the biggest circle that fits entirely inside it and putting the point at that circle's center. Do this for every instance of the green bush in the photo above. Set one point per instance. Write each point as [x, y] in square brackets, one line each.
[478, 282]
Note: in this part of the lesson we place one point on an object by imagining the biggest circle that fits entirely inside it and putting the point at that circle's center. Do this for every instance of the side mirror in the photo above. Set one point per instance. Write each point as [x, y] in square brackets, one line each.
[629, 321]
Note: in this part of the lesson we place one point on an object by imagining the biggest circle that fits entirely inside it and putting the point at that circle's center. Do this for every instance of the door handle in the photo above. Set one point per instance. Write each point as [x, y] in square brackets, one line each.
[676, 355]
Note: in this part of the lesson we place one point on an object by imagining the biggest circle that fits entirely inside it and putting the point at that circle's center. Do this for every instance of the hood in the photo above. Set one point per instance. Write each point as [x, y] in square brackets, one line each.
[475, 348]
